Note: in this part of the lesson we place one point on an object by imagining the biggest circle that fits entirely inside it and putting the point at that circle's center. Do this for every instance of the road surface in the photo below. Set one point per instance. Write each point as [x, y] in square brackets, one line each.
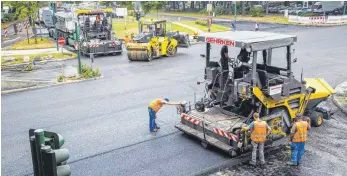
[105, 122]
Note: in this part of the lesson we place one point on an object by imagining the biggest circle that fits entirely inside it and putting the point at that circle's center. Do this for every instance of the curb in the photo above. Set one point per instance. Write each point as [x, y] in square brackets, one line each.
[339, 105]
[226, 19]
[231, 162]
[40, 62]
[46, 86]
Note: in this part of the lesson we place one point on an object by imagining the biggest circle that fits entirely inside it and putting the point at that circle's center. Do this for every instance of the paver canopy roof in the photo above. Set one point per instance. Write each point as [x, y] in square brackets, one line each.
[255, 41]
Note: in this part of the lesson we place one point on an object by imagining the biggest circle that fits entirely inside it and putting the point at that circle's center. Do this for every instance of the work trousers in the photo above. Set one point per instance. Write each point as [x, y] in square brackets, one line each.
[152, 116]
[297, 150]
[260, 146]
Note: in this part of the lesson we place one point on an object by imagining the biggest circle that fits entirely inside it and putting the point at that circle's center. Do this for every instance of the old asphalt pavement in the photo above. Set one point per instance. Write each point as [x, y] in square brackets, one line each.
[105, 122]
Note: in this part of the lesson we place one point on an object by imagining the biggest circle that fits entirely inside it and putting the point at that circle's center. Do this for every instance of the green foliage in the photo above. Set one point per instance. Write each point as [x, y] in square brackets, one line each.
[61, 78]
[29, 68]
[8, 18]
[147, 6]
[257, 12]
[204, 11]
[126, 4]
[88, 72]
[201, 22]
[220, 10]
[24, 9]
[107, 3]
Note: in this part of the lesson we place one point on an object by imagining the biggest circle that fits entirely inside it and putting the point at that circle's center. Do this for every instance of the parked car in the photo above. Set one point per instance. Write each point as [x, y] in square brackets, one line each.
[336, 11]
[303, 11]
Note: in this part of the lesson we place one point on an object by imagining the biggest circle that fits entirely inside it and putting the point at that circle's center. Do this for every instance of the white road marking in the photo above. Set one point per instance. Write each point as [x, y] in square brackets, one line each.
[11, 40]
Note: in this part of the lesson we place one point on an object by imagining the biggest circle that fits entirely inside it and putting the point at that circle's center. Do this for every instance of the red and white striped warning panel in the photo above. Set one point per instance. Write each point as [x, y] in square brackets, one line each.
[318, 19]
[196, 122]
[5, 31]
[225, 134]
[26, 24]
[93, 45]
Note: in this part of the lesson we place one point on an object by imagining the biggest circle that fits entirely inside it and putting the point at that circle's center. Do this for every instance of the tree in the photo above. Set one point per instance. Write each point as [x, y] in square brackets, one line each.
[26, 9]
[126, 4]
[267, 8]
[147, 6]
[106, 3]
[192, 4]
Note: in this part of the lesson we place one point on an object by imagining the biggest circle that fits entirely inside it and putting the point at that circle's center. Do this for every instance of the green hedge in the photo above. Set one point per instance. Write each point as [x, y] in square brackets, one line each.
[256, 12]
[201, 22]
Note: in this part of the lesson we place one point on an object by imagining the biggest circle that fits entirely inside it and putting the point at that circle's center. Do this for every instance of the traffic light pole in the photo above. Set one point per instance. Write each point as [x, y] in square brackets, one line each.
[79, 48]
[39, 141]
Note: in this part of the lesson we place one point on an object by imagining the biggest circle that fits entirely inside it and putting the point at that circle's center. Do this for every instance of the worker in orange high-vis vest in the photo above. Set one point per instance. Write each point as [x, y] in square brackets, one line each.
[298, 135]
[153, 108]
[259, 130]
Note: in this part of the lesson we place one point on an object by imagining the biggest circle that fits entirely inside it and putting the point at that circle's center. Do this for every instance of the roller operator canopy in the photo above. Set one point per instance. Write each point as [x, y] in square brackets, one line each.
[93, 12]
[255, 41]
[150, 22]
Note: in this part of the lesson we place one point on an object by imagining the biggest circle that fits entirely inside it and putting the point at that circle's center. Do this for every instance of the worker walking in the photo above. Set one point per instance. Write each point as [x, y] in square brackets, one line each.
[259, 130]
[153, 108]
[256, 26]
[297, 137]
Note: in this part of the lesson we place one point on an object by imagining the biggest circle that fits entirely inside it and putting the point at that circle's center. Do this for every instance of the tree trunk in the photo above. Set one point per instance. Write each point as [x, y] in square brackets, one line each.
[199, 6]
[192, 4]
[312, 8]
[184, 5]
[243, 7]
[267, 8]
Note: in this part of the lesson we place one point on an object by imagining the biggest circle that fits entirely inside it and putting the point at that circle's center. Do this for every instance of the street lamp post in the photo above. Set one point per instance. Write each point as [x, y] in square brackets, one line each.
[79, 48]
[55, 24]
[235, 12]
[209, 17]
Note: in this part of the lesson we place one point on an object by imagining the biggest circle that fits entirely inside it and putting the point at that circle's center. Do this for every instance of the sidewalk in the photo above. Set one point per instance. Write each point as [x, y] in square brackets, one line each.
[340, 98]
[29, 52]
[189, 27]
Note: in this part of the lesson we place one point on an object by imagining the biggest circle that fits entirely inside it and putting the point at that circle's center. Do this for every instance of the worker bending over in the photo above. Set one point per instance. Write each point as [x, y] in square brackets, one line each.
[298, 135]
[259, 130]
[153, 108]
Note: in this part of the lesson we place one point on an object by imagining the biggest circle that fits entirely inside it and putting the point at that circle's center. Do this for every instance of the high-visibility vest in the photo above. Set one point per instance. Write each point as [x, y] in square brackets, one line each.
[301, 131]
[259, 131]
[156, 105]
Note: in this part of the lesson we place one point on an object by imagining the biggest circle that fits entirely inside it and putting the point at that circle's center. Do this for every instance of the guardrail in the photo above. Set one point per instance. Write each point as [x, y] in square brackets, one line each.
[318, 19]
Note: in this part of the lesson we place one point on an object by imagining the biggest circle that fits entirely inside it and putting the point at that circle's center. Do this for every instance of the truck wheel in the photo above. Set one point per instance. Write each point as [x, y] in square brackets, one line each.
[316, 118]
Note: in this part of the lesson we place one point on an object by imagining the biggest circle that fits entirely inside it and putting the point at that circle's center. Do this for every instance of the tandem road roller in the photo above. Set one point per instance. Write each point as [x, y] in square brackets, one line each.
[154, 42]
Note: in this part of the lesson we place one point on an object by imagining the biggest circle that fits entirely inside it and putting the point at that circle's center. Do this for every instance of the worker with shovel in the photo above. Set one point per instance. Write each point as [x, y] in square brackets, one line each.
[259, 130]
[298, 135]
[153, 108]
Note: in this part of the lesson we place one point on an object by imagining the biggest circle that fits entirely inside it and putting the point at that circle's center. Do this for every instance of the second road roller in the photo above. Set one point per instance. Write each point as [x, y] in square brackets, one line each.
[154, 42]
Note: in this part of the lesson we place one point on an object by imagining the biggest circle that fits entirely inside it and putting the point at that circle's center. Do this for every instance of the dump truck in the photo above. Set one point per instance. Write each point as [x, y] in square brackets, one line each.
[238, 87]
[154, 42]
[95, 30]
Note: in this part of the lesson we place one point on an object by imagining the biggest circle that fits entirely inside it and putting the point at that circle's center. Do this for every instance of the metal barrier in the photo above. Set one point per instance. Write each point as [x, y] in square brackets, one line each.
[318, 19]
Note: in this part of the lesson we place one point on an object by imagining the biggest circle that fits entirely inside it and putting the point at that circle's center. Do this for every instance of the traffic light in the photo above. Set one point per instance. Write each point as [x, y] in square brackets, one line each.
[137, 16]
[52, 6]
[47, 156]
